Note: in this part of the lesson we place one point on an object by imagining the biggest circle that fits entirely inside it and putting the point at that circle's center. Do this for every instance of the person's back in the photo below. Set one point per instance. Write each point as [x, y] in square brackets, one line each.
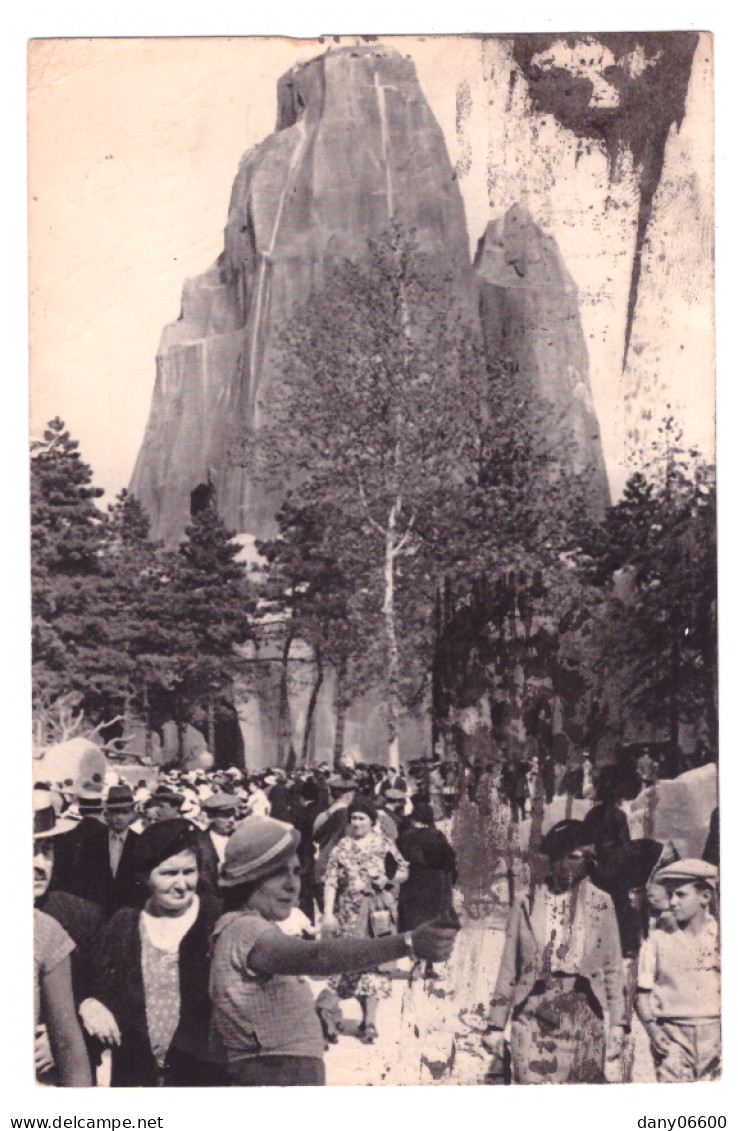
[428, 890]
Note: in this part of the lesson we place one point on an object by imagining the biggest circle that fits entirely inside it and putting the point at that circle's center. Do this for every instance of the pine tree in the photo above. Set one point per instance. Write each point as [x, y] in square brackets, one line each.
[66, 542]
[194, 613]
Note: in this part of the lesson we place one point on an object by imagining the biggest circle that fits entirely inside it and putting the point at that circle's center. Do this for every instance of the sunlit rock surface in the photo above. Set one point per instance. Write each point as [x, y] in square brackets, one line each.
[356, 146]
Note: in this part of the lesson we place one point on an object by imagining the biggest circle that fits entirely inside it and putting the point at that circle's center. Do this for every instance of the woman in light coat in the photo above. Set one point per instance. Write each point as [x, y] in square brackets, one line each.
[560, 974]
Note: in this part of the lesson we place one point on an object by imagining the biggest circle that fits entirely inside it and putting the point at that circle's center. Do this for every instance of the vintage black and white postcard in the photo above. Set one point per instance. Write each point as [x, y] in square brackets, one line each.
[374, 560]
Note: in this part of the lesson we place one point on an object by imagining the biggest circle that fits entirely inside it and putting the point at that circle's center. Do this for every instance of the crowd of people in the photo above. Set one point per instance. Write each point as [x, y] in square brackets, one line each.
[182, 923]
[157, 910]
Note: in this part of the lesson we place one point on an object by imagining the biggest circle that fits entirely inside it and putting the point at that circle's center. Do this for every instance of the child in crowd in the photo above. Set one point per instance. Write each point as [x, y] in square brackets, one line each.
[678, 997]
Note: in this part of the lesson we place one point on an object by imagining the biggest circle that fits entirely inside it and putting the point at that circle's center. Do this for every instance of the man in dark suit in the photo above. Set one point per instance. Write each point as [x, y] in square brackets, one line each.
[95, 860]
[72, 870]
[120, 875]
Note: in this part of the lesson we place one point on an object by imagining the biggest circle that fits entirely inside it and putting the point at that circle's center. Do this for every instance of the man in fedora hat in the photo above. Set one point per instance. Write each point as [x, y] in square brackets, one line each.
[119, 811]
[72, 872]
[96, 858]
[678, 997]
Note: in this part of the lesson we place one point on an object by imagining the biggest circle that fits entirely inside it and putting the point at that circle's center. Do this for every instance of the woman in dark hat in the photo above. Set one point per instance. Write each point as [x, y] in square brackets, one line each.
[360, 901]
[560, 972]
[155, 968]
[264, 1020]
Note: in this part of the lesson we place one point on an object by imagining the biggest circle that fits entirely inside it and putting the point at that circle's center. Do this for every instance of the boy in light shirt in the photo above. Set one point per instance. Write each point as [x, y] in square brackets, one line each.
[678, 997]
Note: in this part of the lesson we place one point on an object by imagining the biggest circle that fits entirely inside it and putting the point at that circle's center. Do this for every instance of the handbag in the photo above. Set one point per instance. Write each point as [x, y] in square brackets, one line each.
[381, 914]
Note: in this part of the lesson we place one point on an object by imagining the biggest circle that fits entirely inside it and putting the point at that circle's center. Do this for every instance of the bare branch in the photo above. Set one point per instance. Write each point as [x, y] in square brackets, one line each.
[372, 522]
[405, 538]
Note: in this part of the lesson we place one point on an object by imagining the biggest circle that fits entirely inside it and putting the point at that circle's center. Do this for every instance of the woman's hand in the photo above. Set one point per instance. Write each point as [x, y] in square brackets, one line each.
[99, 1021]
[434, 941]
[494, 1042]
[43, 1055]
[328, 926]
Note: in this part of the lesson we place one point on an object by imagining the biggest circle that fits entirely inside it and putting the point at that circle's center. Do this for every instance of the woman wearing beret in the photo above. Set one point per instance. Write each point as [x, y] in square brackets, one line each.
[560, 972]
[364, 871]
[155, 968]
[264, 1020]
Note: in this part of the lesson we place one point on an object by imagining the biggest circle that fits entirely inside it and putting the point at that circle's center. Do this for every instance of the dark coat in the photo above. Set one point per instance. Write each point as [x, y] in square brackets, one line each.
[428, 889]
[84, 922]
[121, 989]
[208, 865]
[82, 867]
[711, 851]
[606, 827]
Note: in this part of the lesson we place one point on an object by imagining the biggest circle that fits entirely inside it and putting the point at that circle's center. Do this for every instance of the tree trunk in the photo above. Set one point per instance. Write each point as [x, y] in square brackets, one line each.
[283, 725]
[311, 705]
[674, 691]
[211, 723]
[147, 721]
[341, 708]
[180, 728]
[393, 651]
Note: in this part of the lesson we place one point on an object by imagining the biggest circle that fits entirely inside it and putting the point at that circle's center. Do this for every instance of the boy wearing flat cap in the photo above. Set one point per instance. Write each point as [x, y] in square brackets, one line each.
[679, 978]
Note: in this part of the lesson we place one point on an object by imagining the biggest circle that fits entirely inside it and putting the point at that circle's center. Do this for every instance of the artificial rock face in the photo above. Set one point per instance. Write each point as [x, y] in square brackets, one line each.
[529, 307]
[355, 148]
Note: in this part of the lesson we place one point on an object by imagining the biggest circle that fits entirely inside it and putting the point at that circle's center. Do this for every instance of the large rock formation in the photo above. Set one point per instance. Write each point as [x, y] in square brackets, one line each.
[529, 308]
[356, 146]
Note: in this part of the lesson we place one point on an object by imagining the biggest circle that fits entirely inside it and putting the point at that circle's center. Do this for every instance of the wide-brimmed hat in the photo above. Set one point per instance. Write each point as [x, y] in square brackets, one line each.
[564, 837]
[88, 794]
[629, 865]
[119, 797]
[46, 824]
[688, 871]
[257, 848]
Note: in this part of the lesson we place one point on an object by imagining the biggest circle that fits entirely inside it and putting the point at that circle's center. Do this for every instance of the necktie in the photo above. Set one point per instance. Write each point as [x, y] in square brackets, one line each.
[116, 851]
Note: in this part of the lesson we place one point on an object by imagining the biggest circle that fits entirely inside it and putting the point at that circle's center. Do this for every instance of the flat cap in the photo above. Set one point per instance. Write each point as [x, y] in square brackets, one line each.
[683, 871]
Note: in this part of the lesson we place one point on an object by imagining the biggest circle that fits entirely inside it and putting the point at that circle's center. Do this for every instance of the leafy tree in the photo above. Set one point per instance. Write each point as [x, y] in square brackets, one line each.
[655, 559]
[312, 591]
[363, 416]
[433, 461]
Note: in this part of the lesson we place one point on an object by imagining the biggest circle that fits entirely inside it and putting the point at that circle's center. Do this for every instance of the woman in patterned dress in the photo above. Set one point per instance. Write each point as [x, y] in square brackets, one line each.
[154, 968]
[365, 868]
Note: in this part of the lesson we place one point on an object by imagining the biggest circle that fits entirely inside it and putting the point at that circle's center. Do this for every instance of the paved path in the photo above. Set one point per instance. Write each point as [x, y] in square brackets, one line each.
[430, 1032]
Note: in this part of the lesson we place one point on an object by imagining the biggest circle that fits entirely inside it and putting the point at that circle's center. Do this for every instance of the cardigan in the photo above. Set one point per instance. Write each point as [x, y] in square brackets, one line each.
[524, 953]
[120, 987]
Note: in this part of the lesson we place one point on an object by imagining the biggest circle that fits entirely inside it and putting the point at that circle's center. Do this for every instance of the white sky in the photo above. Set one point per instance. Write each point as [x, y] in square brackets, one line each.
[134, 145]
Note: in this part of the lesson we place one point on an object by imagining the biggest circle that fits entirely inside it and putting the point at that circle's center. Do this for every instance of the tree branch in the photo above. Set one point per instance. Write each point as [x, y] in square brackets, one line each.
[405, 538]
[372, 522]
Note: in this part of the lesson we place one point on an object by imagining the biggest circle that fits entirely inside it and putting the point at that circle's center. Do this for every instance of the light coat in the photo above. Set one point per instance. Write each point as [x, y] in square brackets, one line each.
[523, 960]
